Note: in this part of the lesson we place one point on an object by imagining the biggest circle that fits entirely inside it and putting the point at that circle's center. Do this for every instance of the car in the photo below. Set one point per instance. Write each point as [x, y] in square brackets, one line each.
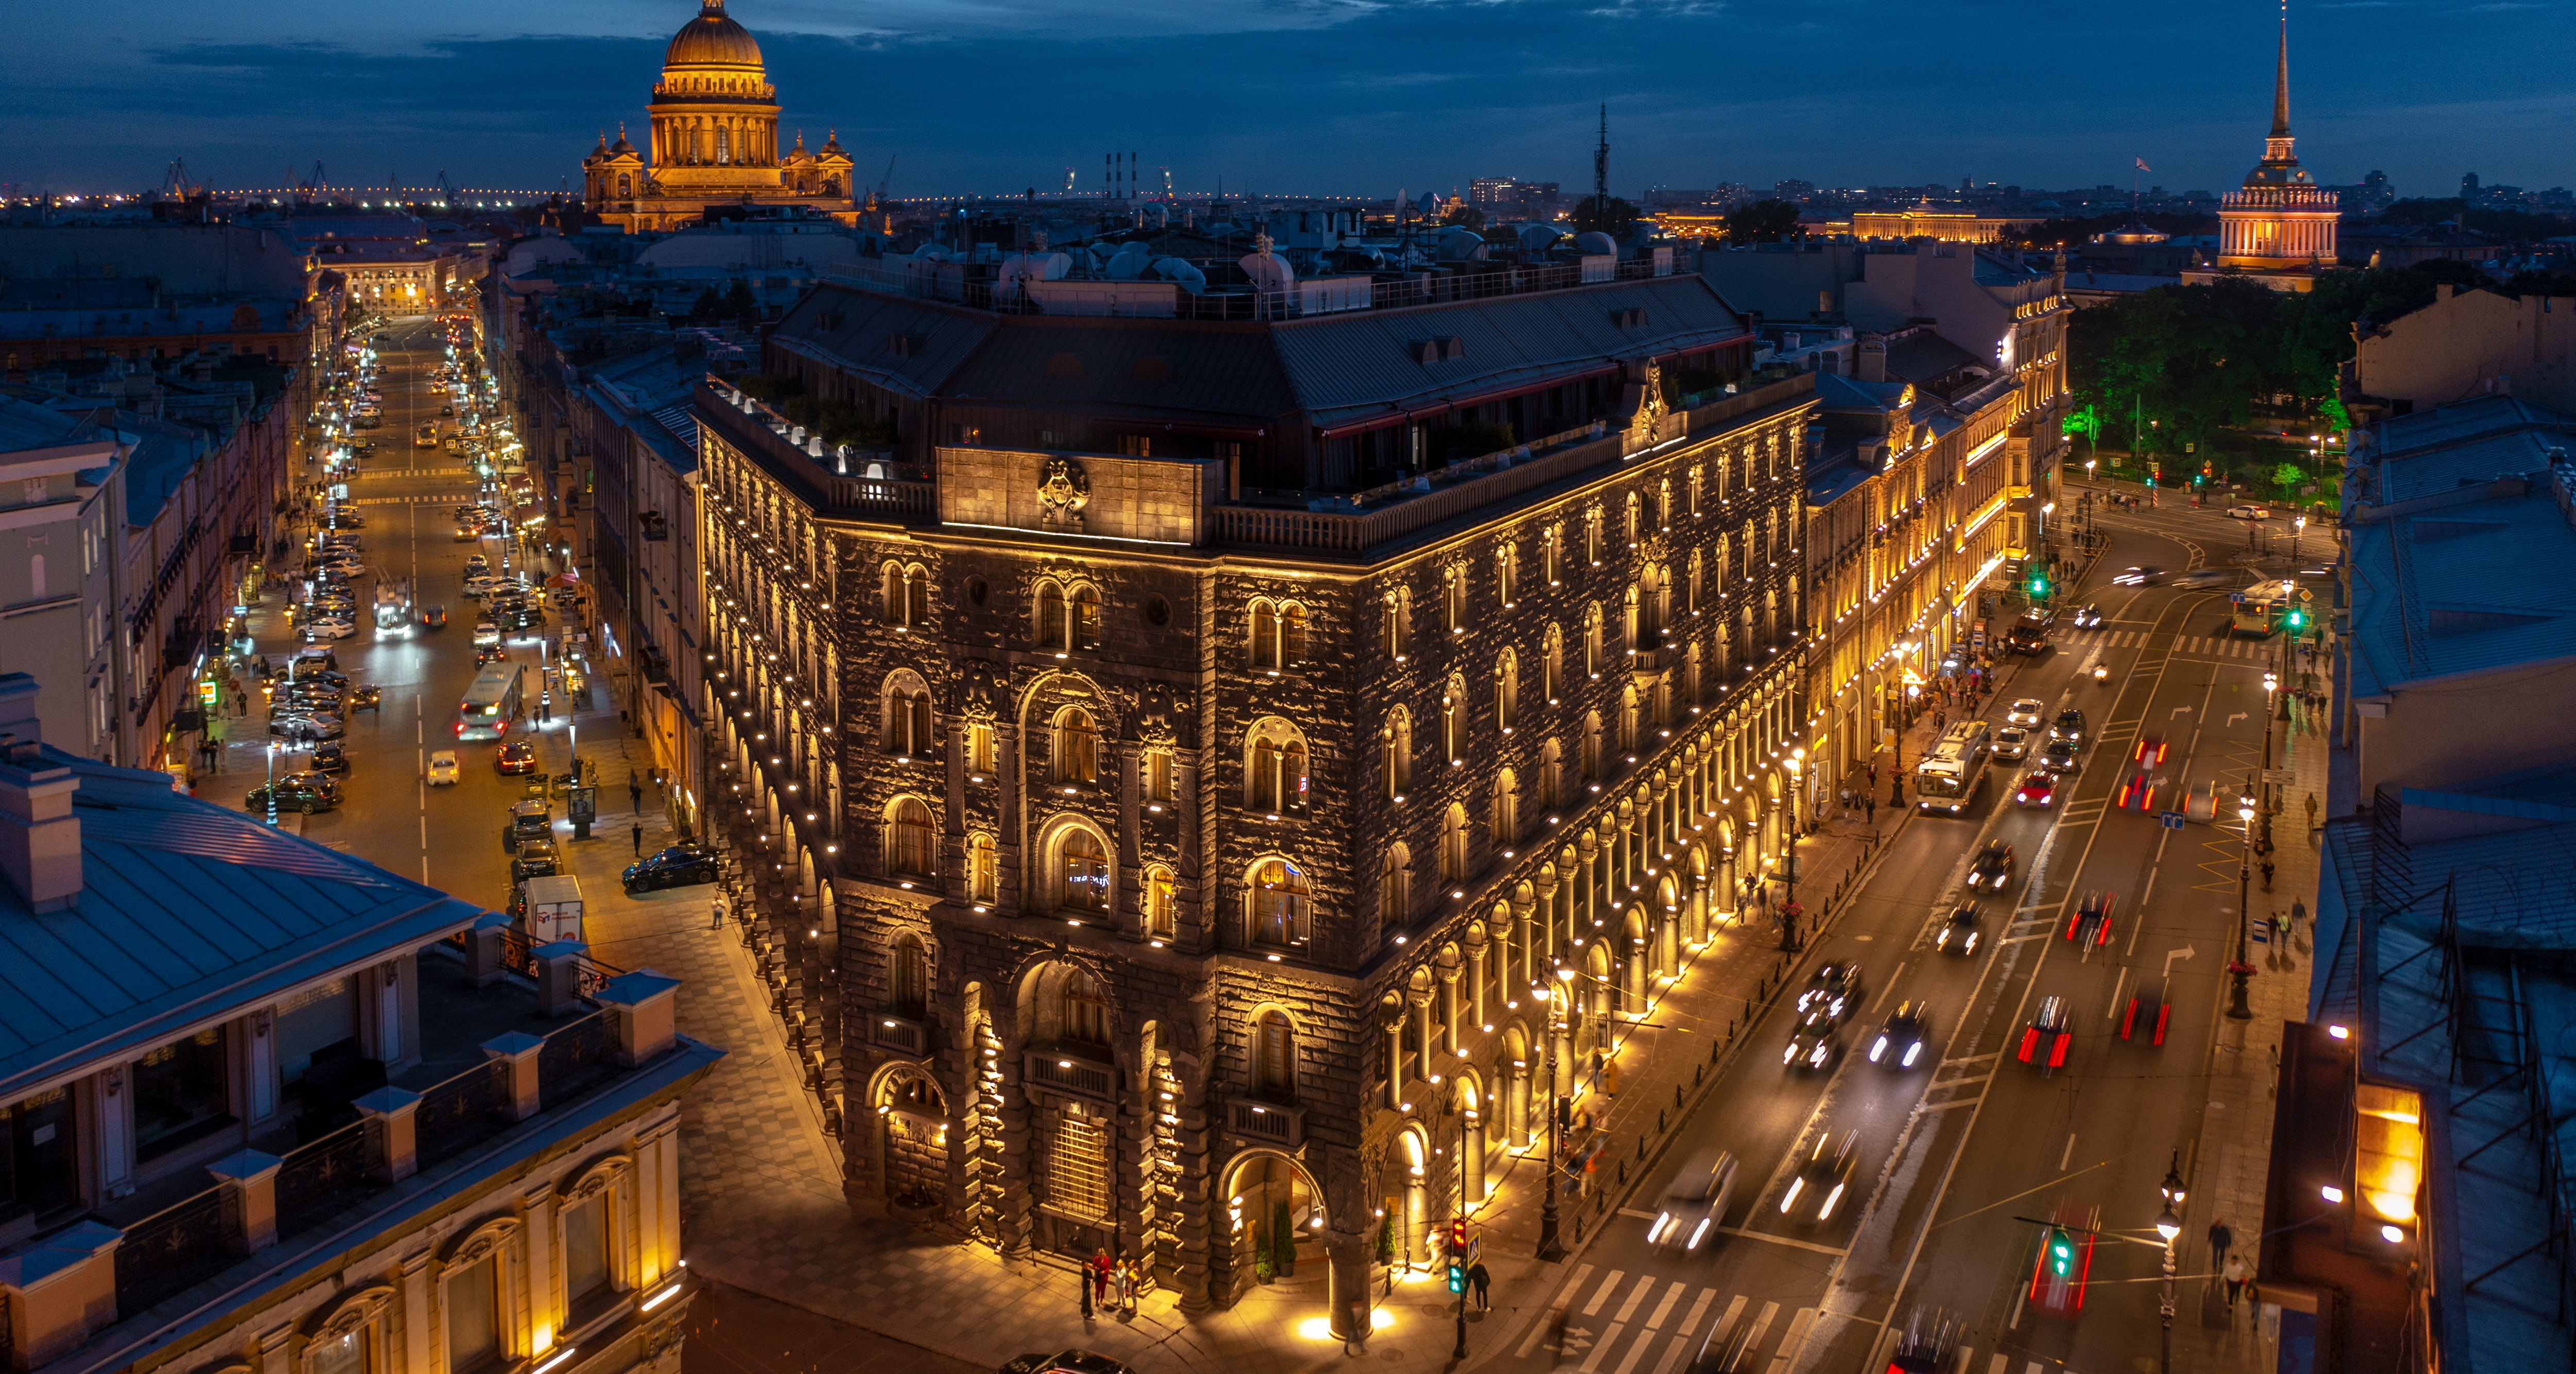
[2011, 743]
[2200, 578]
[529, 820]
[442, 768]
[2148, 752]
[330, 757]
[1817, 1188]
[477, 564]
[2090, 926]
[1992, 869]
[446, 409]
[1958, 934]
[2143, 782]
[514, 757]
[2025, 711]
[2149, 1013]
[1834, 988]
[2068, 725]
[2038, 789]
[490, 653]
[2062, 756]
[304, 792]
[487, 632]
[481, 585]
[2140, 575]
[535, 858]
[681, 865]
[1066, 1362]
[2088, 617]
[526, 618]
[367, 699]
[433, 617]
[1815, 1043]
[2248, 513]
[1900, 1042]
[304, 725]
[1695, 1202]
[2048, 1035]
[329, 627]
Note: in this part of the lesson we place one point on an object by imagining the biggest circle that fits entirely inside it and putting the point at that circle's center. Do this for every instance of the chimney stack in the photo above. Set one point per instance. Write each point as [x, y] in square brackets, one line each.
[1872, 366]
[40, 847]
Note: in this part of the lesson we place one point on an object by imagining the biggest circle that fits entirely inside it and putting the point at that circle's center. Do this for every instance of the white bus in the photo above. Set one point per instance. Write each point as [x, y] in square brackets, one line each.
[2259, 609]
[1953, 769]
[490, 704]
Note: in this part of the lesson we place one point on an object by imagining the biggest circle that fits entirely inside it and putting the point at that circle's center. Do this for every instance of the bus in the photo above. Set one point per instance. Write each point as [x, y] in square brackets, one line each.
[428, 437]
[1953, 769]
[2259, 609]
[490, 704]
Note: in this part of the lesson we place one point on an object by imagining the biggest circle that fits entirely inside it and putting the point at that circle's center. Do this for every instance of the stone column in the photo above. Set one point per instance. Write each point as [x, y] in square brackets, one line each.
[1346, 1283]
[1471, 1155]
[1449, 1009]
[517, 1052]
[1479, 953]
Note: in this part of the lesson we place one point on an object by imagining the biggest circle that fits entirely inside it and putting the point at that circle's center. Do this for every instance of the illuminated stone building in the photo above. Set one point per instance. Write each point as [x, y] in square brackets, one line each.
[1205, 754]
[713, 141]
[2279, 227]
[1927, 221]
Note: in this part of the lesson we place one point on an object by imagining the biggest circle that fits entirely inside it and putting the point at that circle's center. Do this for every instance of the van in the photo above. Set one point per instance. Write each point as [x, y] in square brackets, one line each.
[1695, 1202]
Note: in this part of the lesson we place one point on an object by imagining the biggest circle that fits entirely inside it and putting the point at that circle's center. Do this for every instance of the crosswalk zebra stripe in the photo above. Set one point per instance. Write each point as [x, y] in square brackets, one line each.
[1645, 1340]
[1602, 1294]
[1698, 1309]
[1665, 1308]
[1628, 1309]
[1601, 1347]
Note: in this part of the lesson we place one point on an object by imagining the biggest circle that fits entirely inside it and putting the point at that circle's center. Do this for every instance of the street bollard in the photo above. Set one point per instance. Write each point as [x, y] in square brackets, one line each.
[1677, 1095]
[1661, 1125]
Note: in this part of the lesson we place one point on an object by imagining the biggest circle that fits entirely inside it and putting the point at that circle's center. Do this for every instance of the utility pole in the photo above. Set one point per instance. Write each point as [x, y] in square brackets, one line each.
[1550, 1248]
[1601, 166]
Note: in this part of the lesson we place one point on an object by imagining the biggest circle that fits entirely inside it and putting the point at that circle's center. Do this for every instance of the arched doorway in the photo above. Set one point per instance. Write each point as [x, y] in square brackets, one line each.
[912, 1140]
[1273, 1214]
[1404, 1187]
[1472, 1103]
[1634, 946]
[1668, 925]
[1516, 1088]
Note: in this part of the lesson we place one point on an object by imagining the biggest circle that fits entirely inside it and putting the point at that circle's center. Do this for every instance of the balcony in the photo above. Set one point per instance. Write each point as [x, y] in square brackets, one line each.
[1071, 1073]
[1267, 1123]
[828, 478]
[508, 1068]
[901, 1034]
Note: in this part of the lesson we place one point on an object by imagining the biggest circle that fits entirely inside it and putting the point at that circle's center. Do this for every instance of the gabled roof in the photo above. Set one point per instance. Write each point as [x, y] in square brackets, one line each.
[1923, 356]
[909, 347]
[189, 913]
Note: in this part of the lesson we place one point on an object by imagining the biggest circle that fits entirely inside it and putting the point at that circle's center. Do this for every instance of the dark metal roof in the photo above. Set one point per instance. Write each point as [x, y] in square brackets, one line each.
[1188, 370]
[909, 347]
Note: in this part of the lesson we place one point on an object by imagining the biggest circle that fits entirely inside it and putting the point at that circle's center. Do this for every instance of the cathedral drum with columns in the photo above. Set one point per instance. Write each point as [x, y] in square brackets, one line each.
[713, 140]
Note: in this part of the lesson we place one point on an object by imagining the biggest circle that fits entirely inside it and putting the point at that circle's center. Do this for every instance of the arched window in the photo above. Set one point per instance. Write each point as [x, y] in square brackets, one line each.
[911, 979]
[1084, 609]
[1631, 620]
[1453, 600]
[1551, 554]
[1049, 617]
[1292, 635]
[916, 596]
[625, 186]
[1507, 808]
[983, 870]
[1592, 640]
[1265, 635]
[1453, 844]
[1275, 768]
[1274, 1058]
[909, 832]
[1664, 504]
[1634, 525]
[1396, 637]
[1507, 692]
[1592, 536]
[1082, 1009]
[1591, 760]
[1551, 665]
[1280, 909]
[1628, 718]
[1395, 749]
[1076, 747]
[1278, 635]
[1690, 601]
[1453, 722]
[1160, 919]
[1395, 888]
[1695, 485]
[1506, 572]
[907, 717]
[1083, 871]
[1551, 776]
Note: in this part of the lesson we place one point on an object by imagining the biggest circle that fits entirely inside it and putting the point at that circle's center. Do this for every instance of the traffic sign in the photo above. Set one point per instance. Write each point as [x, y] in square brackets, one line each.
[2170, 820]
[2282, 776]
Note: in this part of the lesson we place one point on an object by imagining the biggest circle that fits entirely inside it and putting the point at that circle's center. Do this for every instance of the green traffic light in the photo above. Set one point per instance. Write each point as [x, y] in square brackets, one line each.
[2061, 1255]
[1457, 1279]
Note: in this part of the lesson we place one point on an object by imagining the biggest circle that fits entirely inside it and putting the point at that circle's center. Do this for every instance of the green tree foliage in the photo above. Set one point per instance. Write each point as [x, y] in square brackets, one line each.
[1467, 215]
[2287, 477]
[1764, 221]
[1613, 216]
[2517, 225]
[2078, 229]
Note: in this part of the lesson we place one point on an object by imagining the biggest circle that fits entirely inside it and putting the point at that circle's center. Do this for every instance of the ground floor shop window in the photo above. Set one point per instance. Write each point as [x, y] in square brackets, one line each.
[1075, 1151]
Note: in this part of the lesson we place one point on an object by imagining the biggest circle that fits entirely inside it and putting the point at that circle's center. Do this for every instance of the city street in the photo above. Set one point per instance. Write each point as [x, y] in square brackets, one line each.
[1956, 1157]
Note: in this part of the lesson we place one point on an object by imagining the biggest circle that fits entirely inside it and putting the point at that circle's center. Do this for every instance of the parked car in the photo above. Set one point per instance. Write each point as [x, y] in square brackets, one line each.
[304, 792]
[681, 865]
[330, 757]
[442, 768]
[300, 725]
[514, 758]
[1066, 1362]
[535, 858]
[367, 699]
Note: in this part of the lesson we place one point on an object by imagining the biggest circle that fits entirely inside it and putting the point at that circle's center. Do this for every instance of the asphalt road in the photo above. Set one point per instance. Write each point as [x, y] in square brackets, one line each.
[447, 836]
[1957, 1154]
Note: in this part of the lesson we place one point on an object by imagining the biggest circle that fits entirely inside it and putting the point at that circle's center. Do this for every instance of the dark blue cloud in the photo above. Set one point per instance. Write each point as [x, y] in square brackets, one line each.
[1365, 97]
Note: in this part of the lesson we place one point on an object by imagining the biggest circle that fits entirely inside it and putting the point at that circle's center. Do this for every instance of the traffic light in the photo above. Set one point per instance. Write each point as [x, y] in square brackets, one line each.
[2297, 620]
[2038, 585]
[2061, 1253]
[1457, 1254]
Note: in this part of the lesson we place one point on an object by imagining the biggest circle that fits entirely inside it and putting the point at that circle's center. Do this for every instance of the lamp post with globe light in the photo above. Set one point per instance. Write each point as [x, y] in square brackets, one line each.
[2169, 1225]
[2238, 969]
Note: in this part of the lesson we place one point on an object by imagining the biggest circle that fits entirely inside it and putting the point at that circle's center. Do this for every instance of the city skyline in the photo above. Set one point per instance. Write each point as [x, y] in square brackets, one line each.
[370, 96]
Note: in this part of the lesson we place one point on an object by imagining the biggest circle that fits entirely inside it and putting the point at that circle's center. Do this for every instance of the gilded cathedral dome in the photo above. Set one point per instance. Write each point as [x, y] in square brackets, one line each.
[712, 39]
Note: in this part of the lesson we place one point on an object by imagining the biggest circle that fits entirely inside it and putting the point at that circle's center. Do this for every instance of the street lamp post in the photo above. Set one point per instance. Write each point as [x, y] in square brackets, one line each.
[1550, 1248]
[2238, 969]
[2169, 1225]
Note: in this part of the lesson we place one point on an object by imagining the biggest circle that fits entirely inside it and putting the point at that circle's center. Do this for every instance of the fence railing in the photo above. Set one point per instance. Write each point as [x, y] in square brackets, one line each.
[575, 1057]
[175, 1248]
[461, 1111]
[316, 1179]
[977, 286]
[1066, 1074]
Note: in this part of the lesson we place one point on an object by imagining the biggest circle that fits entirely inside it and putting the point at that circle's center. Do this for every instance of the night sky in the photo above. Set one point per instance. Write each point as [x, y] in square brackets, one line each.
[1312, 96]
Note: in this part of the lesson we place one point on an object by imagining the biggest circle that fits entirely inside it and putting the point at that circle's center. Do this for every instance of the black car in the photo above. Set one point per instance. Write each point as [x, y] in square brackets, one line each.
[2150, 1011]
[678, 866]
[2088, 617]
[1816, 1043]
[2091, 923]
[329, 757]
[529, 820]
[2068, 725]
[534, 859]
[1834, 990]
[1817, 1189]
[1900, 1041]
[1993, 869]
[1066, 1362]
[2049, 1036]
[1959, 933]
[2141, 576]
[305, 792]
[2062, 756]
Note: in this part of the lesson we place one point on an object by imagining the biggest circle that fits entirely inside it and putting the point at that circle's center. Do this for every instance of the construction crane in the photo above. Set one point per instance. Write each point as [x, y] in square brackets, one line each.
[177, 182]
[887, 179]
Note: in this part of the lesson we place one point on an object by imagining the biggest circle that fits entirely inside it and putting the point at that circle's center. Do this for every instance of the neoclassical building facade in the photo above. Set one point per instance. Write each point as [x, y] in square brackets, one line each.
[713, 140]
[1214, 878]
[2278, 228]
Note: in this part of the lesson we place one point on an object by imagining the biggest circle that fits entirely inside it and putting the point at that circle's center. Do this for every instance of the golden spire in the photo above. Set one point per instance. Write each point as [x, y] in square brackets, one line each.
[2281, 80]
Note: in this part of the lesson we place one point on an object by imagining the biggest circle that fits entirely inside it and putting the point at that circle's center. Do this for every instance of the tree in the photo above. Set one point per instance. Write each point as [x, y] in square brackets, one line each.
[2287, 477]
[1613, 216]
[1467, 215]
[1764, 221]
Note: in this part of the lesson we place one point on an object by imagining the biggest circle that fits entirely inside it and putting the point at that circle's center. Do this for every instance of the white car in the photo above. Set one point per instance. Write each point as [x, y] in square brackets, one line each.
[442, 768]
[2026, 711]
[329, 627]
[2249, 513]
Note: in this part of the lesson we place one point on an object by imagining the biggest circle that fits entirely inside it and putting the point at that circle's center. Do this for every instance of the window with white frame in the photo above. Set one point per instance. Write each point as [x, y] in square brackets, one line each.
[1282, 913]
[1275, 767]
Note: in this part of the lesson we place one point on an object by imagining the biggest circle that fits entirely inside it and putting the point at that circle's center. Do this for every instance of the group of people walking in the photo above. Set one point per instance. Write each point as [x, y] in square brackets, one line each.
[1111, 1284]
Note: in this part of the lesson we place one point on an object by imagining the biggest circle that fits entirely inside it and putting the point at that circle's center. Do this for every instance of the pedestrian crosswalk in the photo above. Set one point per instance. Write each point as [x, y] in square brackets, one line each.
[2201, 646]
[1616, 1323]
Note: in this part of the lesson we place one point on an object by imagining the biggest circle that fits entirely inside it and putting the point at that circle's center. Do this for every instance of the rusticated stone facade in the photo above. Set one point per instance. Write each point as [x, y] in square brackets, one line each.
[1180, 880]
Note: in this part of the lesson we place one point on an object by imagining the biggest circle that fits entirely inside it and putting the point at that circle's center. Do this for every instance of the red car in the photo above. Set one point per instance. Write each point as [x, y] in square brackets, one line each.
[518, 756]
[2091, 923]
[2144, 782]
[2038, 788]
[2150, 1011]
[2047, 1038]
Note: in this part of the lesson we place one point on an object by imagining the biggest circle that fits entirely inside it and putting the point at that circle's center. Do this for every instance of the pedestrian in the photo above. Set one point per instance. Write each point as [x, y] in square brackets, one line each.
[1940, 718]
[1125, 1289]
[2221, 1240]
[2235, 1272]
[1483, 1283]
[635, 790]
[2298, 910]
[1870, 802]
[716, 914]
[2281, 928]
[639, 842]
[1102, 1267]
[2312, 810]
[2267, 875]
[1082, 1281]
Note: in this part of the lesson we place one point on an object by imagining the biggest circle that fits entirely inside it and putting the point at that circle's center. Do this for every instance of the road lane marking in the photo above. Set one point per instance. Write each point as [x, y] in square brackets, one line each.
[1637, 1351]
[1796, 1337]
[1602, 1294]
[1665, 1308]
[1889, 989]
[1601, 1347]
[1761, 1324]
[1628, 1309]
[1673, 1351]
[1726, 1323]
[1699, 1309]
[2068, 1155]
[1790, 1241]
[2117, 987]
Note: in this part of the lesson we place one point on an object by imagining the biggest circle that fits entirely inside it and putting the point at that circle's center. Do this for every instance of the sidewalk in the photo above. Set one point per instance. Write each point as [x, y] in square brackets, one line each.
[2227, 1167]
